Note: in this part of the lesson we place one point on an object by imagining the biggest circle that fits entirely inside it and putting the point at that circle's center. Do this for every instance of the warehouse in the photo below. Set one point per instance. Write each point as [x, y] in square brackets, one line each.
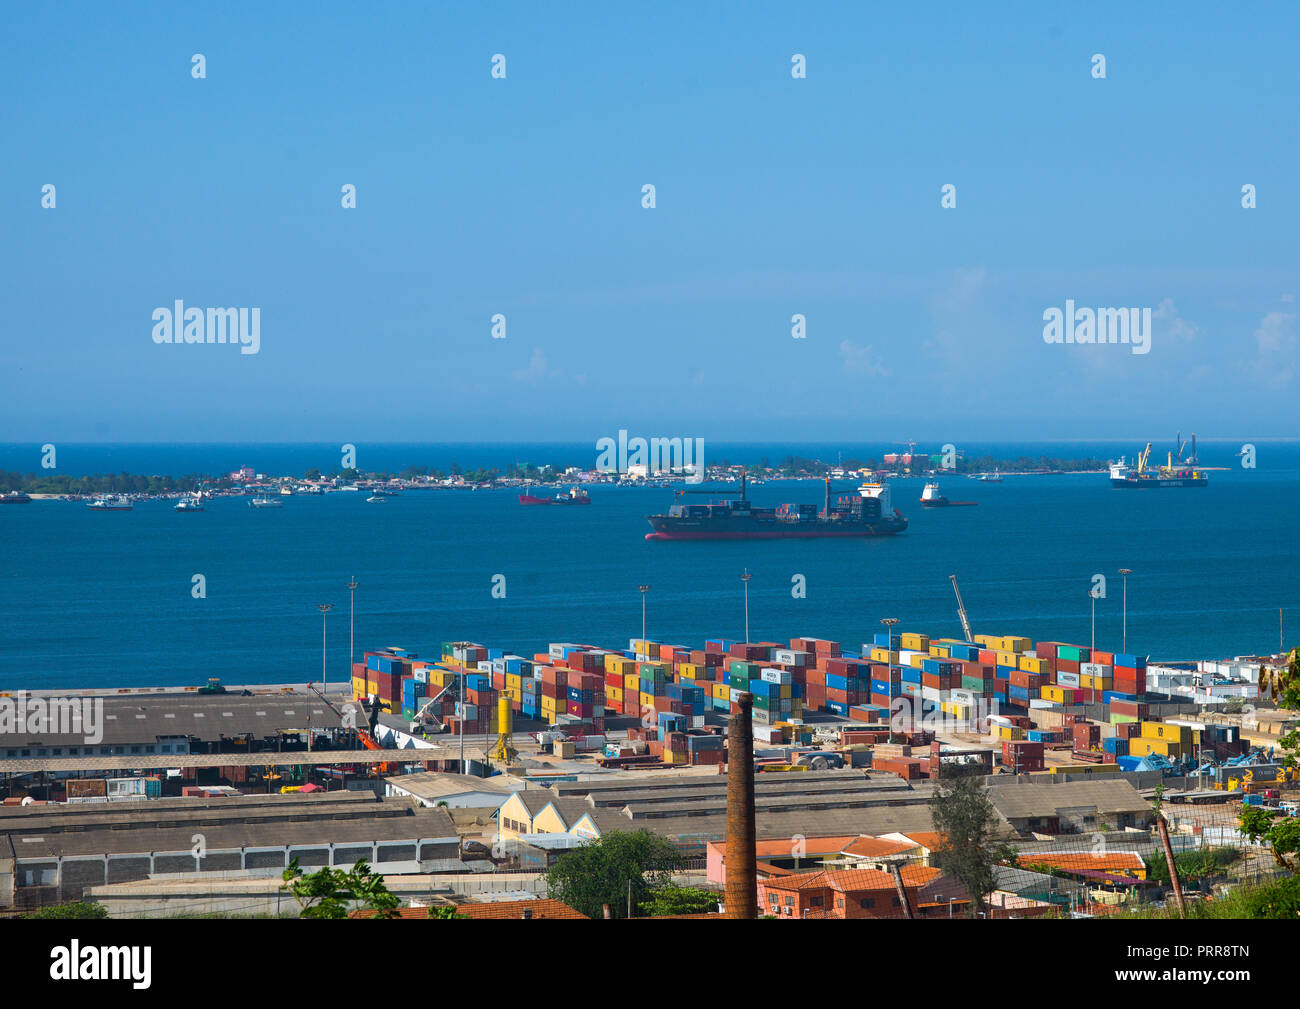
[190, 722]
[53, 852]
[1071, 807]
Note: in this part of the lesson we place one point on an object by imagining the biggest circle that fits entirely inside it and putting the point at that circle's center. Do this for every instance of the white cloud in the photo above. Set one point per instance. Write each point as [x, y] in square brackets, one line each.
[1276, 345]
[861, 360]
[1173, 327]
[537, 370]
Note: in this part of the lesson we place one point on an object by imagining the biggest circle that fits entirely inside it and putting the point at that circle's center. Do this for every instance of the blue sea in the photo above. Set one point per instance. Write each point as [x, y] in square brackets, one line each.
[104, 599]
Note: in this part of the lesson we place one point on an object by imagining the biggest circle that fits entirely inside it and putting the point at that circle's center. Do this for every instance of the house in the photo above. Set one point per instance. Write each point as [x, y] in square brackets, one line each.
[857, 893]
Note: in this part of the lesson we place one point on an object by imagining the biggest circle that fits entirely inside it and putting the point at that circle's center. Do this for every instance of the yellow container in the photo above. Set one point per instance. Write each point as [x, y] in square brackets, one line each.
[631, 681]
[647, 700]
[1029, 664]
[1008, 659]
[884, 655]
[941, 651]
[614, 695]
[1010, 732]
[359, 689]
[914, 642]
[722, 691]
[514, 681]
[1012, 643]
[1181, 734]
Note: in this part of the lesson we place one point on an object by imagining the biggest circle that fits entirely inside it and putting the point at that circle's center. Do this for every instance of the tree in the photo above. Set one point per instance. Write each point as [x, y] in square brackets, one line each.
[329, 893]
[1281, 832]
[312, 474]
[681, 900]
[600, 873]
[966, 822]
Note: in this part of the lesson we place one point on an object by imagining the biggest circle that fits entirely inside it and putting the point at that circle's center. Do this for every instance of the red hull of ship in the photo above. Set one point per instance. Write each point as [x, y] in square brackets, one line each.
[802, 535]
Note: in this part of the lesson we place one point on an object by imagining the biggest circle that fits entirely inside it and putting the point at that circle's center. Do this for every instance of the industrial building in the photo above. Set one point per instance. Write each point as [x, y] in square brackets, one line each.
[52, 853]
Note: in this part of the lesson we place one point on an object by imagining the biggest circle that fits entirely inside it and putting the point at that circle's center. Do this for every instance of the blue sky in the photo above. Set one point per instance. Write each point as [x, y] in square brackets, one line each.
[522, 196]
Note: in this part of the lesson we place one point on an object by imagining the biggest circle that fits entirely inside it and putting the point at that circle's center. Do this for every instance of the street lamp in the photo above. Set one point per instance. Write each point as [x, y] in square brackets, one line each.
[1093, 597]
[643, 589]
[1125, 572]
[352, 622]
[745, 578]
[889, 623]
[325, 681]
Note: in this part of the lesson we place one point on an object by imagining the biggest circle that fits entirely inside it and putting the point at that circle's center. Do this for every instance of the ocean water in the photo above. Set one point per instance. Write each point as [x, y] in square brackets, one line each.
[105, 599]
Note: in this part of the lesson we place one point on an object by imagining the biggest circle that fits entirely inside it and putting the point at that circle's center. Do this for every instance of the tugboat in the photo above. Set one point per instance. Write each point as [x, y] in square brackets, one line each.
[574, 496]
[867, 513]
[931, 497]
[111, 504]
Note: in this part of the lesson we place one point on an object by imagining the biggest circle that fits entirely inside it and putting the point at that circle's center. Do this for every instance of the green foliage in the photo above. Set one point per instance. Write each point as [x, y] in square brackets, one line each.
[1197, 864]
[1282, 833]
[332, 893]
[681, 900]
[966, 822]
[1278, 899]
[73, 909]
[598, 873]
[445, 912]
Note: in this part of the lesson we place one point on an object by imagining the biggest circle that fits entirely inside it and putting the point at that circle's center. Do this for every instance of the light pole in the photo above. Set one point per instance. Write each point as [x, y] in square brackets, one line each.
[745, 578]
[643, 589]
[352, 622]
[324, 677]
[889, 623]
[1125, 572]
[1093, 597]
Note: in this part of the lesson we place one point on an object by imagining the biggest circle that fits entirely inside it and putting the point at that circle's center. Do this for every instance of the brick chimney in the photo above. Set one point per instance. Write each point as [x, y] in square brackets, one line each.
[742, 873]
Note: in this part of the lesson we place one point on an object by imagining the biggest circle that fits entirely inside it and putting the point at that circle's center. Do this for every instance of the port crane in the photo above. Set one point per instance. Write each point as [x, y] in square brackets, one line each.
[961, 610]
[366, 736]
[423, 719]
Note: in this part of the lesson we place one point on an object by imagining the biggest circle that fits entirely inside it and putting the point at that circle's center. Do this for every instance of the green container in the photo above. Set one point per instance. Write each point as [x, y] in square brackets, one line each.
[1071, 653]
[976, 683]
[653, 671]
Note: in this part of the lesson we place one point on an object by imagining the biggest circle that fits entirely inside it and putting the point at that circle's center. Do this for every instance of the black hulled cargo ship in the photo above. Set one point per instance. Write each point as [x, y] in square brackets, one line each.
[866, 513]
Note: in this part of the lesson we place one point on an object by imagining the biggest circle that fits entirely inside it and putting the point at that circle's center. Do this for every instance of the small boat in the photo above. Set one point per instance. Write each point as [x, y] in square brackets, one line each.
[286, 491]
[575, 495]
[376, 499]
[265, 502]
[994, 477]
[17, 497]
[932, 497]
[189, 504]
[111, 504]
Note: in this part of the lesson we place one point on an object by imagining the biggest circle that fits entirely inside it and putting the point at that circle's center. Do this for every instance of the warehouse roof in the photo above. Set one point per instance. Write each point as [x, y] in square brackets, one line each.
[1023, 800]
[144, 719]
[434, 785]
[177, 835]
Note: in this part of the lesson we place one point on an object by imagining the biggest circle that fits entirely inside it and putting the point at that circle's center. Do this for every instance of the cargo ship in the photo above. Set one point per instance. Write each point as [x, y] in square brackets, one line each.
[866, 513]
[574, 496]
[1178, 472]
[932, 497]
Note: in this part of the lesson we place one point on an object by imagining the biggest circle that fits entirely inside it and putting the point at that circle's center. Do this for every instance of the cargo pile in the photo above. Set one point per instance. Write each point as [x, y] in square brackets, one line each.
[1037, 691]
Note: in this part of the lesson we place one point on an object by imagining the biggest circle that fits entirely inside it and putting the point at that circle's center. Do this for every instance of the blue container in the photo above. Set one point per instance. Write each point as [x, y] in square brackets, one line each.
[1132, 661]
[910, 674]
[837, 708]
[1018, 693]
[1115, 745]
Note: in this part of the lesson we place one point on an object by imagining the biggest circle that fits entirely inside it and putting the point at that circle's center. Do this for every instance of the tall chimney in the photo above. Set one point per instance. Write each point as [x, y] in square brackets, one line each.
[742, 873]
